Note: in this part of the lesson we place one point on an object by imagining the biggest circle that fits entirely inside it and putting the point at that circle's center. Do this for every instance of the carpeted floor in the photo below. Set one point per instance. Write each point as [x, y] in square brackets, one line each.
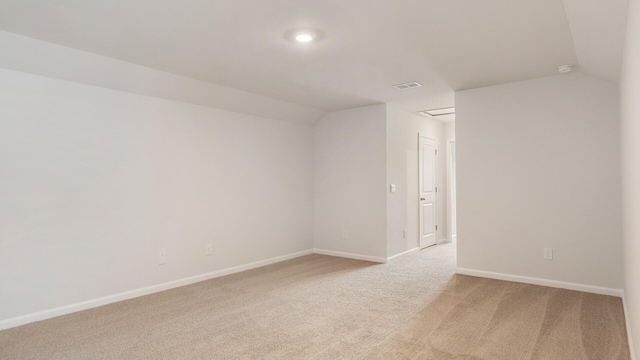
[321, 307]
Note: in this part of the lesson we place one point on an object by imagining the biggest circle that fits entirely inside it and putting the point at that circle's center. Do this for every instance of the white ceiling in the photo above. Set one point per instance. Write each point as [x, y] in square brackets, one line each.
[367, 47]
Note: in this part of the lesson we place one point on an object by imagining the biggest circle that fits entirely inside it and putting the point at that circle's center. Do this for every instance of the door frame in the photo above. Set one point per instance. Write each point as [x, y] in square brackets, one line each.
[450, 236]
[436, 185]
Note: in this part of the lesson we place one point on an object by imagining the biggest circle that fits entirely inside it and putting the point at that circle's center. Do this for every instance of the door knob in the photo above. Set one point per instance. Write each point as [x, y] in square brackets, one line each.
[422, 199]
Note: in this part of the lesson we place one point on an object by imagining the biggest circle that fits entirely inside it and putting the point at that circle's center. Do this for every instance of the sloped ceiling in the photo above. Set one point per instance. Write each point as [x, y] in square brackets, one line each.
[598, 29]
[367, 47]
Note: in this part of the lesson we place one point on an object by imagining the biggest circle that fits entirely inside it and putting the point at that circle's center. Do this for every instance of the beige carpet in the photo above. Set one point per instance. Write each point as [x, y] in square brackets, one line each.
[320, 307]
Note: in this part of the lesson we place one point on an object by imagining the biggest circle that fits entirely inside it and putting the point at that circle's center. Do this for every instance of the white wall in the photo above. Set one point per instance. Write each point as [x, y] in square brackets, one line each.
[349, 182]
[450, 130]
[630, 93]
[96, 182]
[539, 166]
[403, 128]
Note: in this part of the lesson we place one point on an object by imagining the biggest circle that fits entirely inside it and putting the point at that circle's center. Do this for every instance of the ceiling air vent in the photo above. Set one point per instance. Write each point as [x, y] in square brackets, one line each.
[439, 112]
[409, 85]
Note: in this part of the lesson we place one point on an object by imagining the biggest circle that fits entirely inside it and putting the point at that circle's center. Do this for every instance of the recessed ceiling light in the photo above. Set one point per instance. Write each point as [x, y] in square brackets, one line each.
[303, 35]
[439, 112]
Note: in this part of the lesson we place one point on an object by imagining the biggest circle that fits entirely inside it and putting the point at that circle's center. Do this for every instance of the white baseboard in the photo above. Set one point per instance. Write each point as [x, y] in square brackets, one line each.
[67, 309]
[362, 257]
[627, 322]
[402, 253]
[542, 282]
[351, 256]
[442, 241]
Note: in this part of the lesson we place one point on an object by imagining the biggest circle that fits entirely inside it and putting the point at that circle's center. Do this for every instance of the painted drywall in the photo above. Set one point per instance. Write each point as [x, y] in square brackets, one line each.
[96, 182]
[630, 114]
[450, 130]
[539, 166]
[403, 128]
[349, 194]
[44, 58]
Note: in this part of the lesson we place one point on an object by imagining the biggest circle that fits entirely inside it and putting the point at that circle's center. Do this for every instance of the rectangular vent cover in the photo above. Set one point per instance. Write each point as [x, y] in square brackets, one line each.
[409, 85]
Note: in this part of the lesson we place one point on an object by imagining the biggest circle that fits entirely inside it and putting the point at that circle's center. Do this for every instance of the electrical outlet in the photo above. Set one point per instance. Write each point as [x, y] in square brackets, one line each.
[345, 235]
[162, 259]
[548, 253]
[209, 249]
[404, 233]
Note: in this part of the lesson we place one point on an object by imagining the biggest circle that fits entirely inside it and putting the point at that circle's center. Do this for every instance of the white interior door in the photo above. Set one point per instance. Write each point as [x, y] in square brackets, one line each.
[427, 172]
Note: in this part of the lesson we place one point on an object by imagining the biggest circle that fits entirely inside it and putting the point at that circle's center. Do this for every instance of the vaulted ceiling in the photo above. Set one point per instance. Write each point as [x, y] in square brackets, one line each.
[367, 46]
